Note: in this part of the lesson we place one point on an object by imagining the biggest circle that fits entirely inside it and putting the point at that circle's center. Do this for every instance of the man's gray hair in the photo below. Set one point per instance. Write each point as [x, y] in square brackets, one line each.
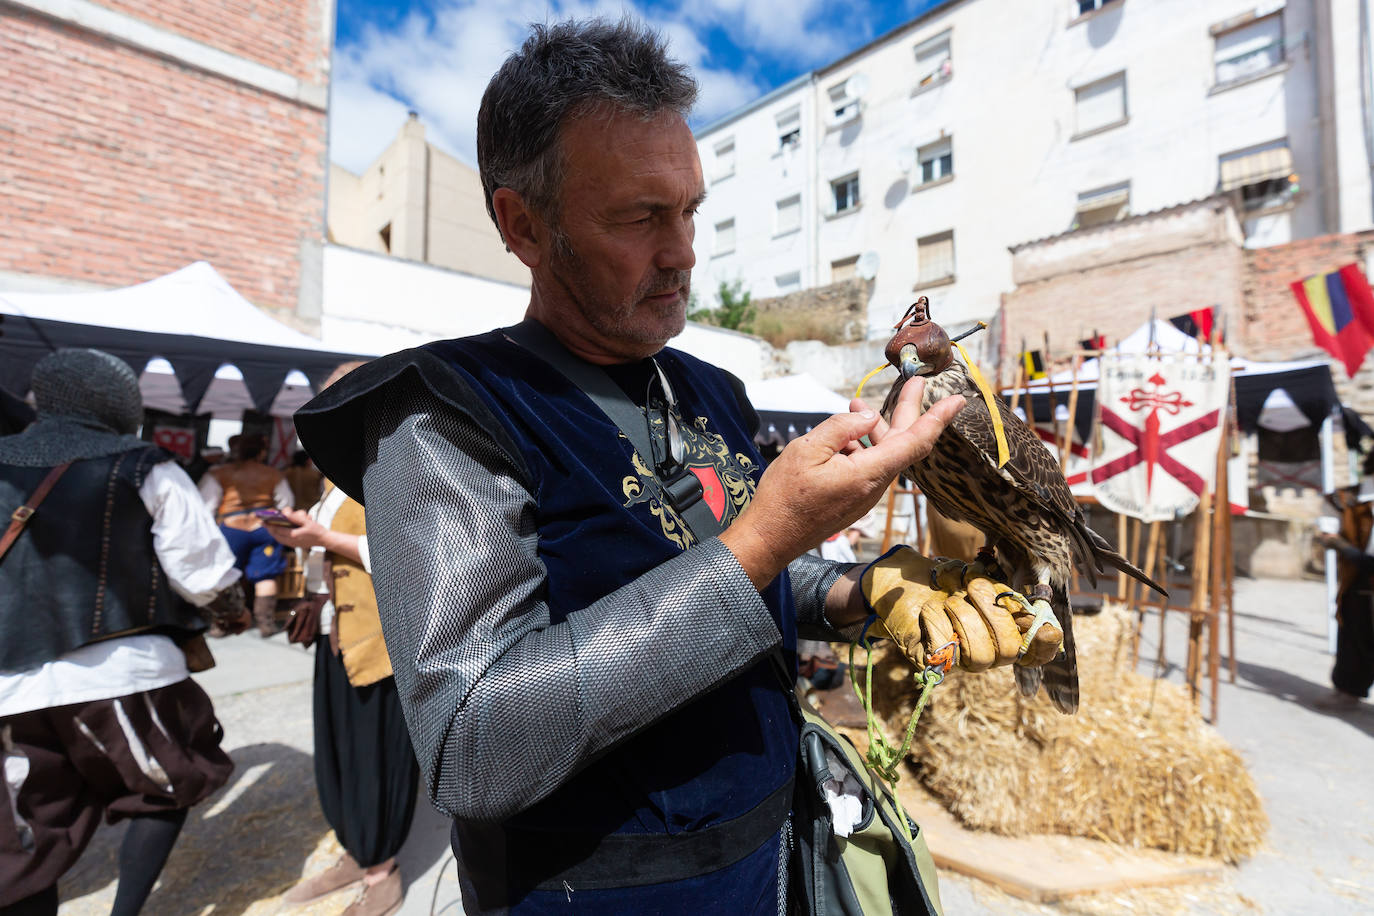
[561, 71]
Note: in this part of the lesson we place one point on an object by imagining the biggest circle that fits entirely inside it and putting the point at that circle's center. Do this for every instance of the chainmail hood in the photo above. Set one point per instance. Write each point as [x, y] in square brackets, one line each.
[89, 405]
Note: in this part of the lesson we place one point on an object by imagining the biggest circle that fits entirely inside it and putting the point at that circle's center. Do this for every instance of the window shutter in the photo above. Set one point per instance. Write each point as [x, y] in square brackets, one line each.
[725, 236]
[1101, 103]
[789, 214]
[936, 255]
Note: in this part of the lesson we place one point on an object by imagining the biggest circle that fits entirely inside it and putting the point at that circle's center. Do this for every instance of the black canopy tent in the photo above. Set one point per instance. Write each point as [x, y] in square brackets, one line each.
[24, 341]
[191, 324]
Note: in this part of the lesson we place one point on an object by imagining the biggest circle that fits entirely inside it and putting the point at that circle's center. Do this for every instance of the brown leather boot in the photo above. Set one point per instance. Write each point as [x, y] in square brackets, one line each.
[265, 614]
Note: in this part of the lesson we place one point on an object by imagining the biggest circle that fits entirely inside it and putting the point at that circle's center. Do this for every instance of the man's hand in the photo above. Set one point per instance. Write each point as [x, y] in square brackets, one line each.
[307, 532]
[826, 480]
[929, 607]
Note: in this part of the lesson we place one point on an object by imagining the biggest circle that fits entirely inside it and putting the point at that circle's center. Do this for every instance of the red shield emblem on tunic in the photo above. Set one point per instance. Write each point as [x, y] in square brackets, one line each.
[712, 490]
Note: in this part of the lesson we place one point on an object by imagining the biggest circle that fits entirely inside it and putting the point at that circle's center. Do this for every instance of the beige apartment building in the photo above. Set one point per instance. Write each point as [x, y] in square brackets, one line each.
[419, 203]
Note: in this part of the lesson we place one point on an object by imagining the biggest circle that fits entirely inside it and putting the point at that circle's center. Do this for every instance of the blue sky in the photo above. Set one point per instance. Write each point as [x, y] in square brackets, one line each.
[435, 56]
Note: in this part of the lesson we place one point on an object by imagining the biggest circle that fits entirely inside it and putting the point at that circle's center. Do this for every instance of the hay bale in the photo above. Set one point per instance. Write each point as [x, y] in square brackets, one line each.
[1137, 765]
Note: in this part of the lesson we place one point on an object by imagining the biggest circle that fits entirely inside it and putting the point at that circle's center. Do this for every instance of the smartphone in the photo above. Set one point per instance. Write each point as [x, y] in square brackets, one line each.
[274, 517]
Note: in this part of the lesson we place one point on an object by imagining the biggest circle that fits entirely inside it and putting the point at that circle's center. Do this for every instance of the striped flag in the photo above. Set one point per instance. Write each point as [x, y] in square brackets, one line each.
[1340, 310]
[1198, 323]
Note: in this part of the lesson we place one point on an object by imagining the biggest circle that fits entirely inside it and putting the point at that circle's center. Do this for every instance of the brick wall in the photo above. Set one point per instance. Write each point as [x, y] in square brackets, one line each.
[1274, 324]
[117, 166]
[285, 36]
[1115, 299]
[1275, 328]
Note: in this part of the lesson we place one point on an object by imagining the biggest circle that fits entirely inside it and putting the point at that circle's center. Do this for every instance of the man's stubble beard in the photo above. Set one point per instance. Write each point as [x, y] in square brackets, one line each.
[616, 321]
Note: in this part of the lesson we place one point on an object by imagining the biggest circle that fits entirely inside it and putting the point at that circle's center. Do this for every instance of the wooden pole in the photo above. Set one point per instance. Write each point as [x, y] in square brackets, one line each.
[1151, 544]
[1202, 557]
[1160, 574]
[1066, 449]
[1220, 557]
[1121, 546]
[891, 508]
[1019, 383]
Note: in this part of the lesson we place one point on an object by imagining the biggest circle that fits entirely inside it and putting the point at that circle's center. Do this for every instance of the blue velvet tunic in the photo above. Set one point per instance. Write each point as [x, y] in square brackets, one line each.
[602, 524]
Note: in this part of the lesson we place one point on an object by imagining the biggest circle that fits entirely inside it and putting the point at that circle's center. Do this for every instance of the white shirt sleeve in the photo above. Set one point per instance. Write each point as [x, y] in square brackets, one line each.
[210, 492]
[362, 552]
[282, 495]
[193, 553]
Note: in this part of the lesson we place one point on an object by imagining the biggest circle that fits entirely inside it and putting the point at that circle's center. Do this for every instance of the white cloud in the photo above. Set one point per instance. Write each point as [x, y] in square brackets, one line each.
[439, 65]
[791, 29]
[362, 120]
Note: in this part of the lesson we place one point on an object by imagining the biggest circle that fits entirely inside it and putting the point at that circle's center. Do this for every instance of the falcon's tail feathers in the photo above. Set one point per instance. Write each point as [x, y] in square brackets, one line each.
[1105, 554]
[1028, 679]
[1060, 675]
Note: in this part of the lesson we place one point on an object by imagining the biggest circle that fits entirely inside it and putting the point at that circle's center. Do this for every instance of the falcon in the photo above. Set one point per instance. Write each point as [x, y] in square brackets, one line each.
[1032, 526]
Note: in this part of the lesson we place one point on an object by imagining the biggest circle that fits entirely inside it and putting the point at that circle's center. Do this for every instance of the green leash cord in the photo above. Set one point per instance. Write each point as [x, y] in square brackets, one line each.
[882, 756]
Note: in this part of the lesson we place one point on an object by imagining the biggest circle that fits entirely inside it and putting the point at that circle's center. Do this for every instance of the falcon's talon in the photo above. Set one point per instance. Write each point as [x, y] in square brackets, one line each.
[1043, 614]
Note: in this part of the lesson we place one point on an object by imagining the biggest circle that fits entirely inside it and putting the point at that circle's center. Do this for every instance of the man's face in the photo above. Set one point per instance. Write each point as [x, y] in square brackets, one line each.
[617, 280]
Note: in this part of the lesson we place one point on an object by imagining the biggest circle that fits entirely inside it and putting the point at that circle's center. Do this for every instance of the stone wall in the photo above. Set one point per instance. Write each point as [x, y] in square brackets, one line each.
[1112, 279]
[837, 313]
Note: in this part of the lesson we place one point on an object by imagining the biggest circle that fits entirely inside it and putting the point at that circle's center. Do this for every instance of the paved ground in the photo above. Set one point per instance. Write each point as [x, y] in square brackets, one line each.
[254, 838]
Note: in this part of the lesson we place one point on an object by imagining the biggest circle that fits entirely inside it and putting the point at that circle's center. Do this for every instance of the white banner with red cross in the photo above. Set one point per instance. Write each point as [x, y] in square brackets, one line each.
[1161, 421]
[1079, 462]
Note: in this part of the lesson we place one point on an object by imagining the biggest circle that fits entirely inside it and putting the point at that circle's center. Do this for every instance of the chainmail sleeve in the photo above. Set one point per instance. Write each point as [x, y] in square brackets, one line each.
[502, 705]
[812, 578]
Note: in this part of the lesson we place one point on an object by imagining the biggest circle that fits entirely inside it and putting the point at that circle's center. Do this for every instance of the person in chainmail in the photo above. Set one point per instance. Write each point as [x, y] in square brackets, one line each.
[105, 590]
[589, 684]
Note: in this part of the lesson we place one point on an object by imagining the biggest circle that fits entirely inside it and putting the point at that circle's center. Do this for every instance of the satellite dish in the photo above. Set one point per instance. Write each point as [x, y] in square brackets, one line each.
[868, 265]
[856, 86]
[906, 160]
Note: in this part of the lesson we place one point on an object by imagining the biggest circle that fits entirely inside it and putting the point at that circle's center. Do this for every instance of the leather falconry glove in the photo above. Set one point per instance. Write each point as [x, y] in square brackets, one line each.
[942, 611]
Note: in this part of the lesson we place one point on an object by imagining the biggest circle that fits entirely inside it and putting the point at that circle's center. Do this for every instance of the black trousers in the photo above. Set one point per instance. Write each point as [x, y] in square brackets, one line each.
[1354, 670]
[365, 769]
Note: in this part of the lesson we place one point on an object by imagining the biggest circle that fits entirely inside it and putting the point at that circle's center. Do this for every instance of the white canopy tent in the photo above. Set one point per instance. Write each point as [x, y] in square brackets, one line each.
[791, 406]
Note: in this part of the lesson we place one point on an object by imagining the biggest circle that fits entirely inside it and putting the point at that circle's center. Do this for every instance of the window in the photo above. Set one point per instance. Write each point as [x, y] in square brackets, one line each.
[1088, 6]
[725, 159]
[789, 214]
[1105, 205]
[843, 107]
[788, 282]
[1261, 175]
[936, 256]
[846, 191]
[936, 161]
[789, 129]
[1101, 104]
[1249, 50]
[933, 62]
[385, 233]
[844, 269]
[725, 237]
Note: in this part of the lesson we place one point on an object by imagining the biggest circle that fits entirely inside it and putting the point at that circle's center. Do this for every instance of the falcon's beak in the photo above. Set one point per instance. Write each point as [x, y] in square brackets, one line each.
[910, 363]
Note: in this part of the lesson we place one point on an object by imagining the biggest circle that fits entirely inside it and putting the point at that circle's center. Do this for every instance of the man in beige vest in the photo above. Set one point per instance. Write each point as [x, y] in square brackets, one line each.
[365, 769]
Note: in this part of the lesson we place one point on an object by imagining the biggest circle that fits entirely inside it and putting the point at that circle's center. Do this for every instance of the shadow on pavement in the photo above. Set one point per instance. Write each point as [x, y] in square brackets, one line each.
[1305, 693]
[426, 845]
[247, 842]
